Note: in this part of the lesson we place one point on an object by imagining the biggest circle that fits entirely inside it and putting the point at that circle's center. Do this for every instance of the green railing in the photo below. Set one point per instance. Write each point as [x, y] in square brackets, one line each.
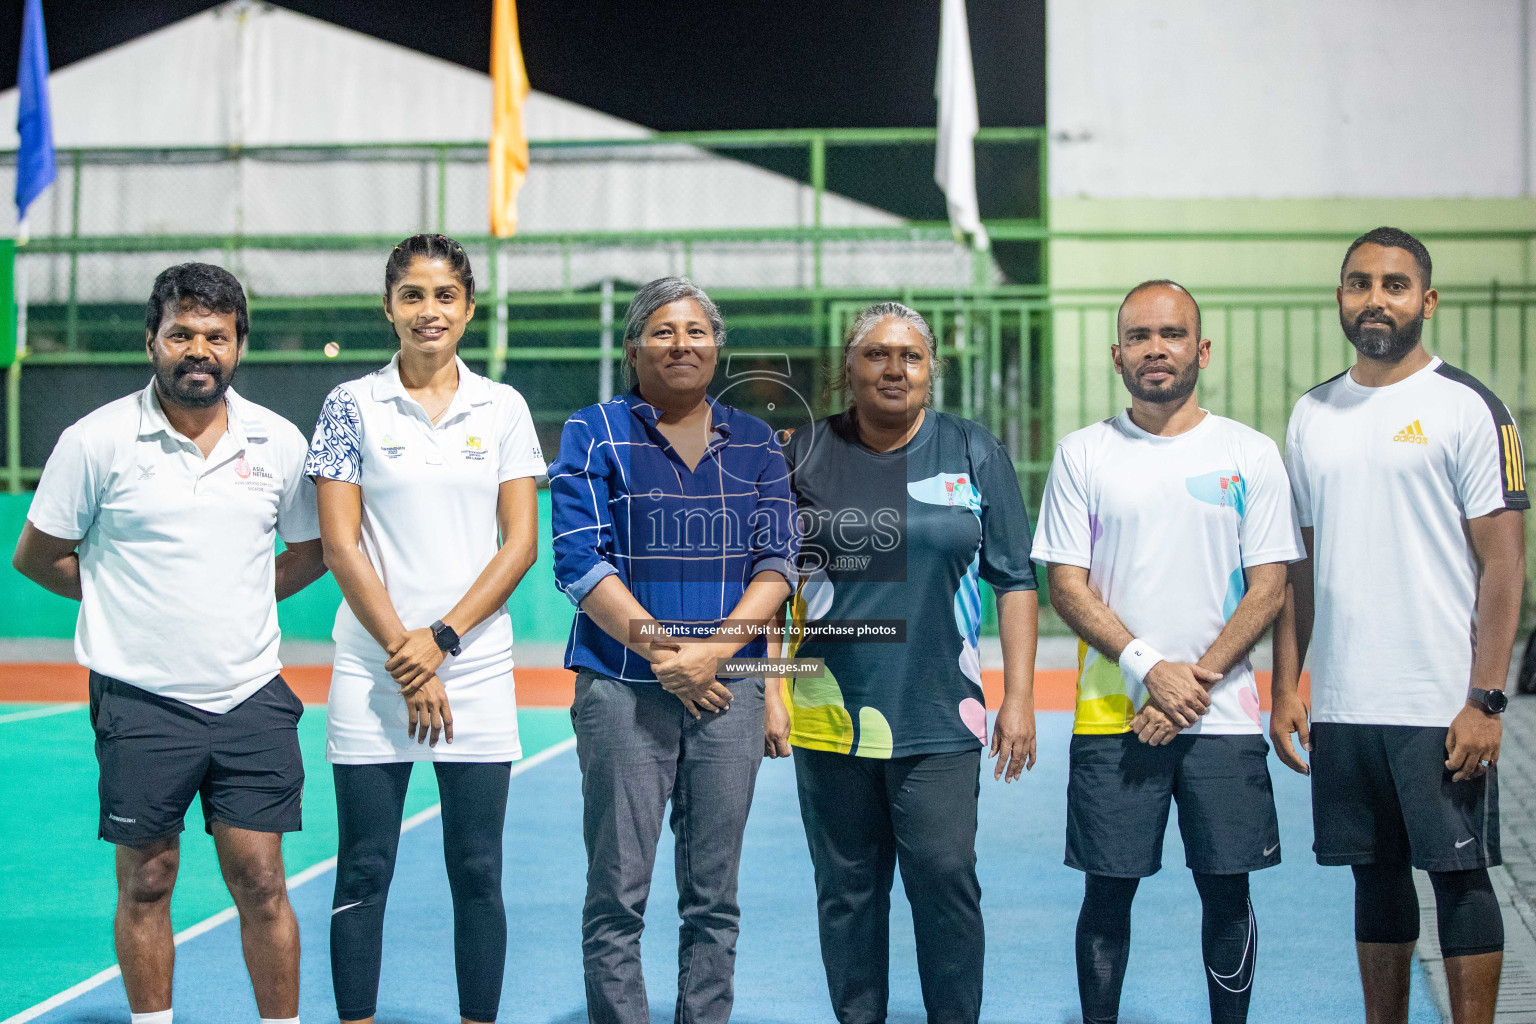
[887, 170]
[1029, 367]
[1028, 361]
[868, 225]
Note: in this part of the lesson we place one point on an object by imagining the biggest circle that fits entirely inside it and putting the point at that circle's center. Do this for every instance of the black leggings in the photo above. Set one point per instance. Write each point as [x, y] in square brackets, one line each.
[1229, 940]
[370, 801]
[1466, 908]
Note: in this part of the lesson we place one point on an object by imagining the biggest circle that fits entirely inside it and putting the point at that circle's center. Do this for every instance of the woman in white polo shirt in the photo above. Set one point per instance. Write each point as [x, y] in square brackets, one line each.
[429, 517]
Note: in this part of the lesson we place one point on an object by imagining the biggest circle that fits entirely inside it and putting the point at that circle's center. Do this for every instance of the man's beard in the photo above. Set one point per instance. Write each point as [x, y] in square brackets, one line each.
[171, 381]
[1177, 388]
[1390, 345]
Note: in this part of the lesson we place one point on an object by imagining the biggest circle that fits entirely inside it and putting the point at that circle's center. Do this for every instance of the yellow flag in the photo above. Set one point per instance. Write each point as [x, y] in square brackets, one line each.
[509, 140]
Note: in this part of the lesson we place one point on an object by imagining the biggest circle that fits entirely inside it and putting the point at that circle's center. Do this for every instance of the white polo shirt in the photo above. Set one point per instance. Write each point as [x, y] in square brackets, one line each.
[429, 493]
[177, 551]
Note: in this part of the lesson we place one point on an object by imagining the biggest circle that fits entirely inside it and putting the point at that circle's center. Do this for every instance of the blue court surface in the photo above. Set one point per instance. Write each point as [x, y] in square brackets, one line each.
[1306, 952]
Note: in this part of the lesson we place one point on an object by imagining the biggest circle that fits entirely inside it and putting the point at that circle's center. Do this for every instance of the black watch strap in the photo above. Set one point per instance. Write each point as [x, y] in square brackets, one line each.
[1492, 701]
[447, 639]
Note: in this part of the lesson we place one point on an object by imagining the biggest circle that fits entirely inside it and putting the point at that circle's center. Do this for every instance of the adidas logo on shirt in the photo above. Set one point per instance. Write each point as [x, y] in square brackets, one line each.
[1411, 434]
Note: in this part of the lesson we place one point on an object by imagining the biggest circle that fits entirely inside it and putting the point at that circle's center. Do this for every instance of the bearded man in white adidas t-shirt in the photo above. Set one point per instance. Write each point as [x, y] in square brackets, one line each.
[1166, 530]
[1410, 487]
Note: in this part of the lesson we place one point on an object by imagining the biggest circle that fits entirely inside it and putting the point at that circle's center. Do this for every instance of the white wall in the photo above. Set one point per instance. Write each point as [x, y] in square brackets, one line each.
[1288, 98]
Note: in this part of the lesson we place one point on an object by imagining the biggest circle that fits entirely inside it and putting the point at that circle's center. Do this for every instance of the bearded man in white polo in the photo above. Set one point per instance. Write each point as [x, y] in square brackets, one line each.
[158, 513]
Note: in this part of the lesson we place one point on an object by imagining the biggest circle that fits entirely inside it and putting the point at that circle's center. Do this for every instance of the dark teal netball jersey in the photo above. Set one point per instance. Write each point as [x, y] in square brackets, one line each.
[894, 546]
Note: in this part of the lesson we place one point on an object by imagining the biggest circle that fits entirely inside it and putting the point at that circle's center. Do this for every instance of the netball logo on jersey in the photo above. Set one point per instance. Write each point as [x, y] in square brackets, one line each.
[954, 490]
[390, 449]
[254, 477]
[474, 448]
[1411, 434]
[1226, 489]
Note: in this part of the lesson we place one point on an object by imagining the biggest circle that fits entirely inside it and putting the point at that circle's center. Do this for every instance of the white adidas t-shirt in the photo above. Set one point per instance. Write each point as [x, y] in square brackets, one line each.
[1387, 478]
[1165, 527]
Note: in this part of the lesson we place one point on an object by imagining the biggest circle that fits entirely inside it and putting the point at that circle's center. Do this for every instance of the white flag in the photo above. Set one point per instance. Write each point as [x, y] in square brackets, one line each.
[954, 164]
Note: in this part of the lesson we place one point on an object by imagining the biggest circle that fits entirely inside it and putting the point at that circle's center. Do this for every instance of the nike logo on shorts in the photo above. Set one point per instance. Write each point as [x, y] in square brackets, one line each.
[1271, 850]
[349, 906]
[1464, 842]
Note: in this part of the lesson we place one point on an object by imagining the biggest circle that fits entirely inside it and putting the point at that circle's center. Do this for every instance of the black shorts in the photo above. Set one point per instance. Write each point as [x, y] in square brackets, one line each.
[156, 753]
[1381, 794]
[1118, 795]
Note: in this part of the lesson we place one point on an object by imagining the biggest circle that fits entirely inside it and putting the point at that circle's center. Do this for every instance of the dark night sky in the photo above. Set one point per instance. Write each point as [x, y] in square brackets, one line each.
[666, 64]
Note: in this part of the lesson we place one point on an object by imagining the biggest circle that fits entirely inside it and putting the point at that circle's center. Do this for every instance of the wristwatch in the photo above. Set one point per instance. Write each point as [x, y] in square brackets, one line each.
[448, 640]
[1492, 701]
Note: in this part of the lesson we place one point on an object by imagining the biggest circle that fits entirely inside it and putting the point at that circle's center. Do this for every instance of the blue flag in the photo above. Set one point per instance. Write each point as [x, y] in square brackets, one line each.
[34, 123]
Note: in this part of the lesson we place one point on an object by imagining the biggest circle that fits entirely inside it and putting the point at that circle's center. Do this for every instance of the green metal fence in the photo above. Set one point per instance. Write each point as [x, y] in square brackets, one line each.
[1030, 368]
[865, 225]
[781, 227]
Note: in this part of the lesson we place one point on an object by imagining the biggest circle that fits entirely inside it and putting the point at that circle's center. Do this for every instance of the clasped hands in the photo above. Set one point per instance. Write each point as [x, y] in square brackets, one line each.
[1176, 698]
[686, 669]
[414, 659]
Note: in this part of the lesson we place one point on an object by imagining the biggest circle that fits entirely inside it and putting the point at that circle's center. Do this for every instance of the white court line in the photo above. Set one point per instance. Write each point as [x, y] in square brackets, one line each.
[294, 881]
[52, 709]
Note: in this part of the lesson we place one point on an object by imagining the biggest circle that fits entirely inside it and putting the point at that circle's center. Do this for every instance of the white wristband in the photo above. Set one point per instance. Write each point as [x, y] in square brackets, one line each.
[1137, 660]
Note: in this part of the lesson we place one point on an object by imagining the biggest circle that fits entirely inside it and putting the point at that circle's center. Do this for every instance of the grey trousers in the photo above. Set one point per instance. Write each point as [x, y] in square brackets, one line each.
[638, 748]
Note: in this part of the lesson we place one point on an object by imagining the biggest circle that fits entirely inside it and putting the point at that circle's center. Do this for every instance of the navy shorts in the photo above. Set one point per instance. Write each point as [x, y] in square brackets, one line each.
[1381, 794]
[1119, 791]
[156, 753]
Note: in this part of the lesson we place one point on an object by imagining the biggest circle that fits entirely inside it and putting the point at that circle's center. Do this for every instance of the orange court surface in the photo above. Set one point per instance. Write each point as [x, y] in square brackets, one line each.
[41, 682]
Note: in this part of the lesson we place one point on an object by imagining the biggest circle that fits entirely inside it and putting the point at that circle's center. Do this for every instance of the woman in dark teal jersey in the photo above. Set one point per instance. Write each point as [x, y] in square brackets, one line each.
[902, 511]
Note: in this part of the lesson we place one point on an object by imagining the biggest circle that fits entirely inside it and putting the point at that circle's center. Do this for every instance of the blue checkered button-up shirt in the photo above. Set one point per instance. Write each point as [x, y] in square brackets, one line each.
[686, 542]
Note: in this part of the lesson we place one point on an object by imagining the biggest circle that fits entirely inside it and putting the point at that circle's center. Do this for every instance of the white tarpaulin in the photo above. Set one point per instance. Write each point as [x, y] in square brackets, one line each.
[250, 75]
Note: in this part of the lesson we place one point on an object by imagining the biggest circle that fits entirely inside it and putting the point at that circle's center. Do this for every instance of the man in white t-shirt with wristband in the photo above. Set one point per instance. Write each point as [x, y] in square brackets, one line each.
[1167, 530]
[1410, 487]
[158, 513]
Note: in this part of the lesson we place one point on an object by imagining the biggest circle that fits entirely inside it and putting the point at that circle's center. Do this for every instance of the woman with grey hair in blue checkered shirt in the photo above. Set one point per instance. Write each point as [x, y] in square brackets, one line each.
[673, 536]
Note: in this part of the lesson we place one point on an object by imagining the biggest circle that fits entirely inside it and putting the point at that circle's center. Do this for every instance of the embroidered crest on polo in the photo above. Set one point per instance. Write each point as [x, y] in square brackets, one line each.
[243, 468]
[474, 448]
[391, 448]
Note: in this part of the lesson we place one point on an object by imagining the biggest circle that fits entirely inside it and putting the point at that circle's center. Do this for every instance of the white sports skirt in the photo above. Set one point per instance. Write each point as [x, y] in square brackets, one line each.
[366, 716]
